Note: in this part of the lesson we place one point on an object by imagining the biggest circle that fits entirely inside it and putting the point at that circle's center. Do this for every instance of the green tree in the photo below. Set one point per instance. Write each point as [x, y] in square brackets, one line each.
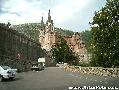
[105, 32]
[62, 53]
[31, 30]
[64, 32]
[87, 37]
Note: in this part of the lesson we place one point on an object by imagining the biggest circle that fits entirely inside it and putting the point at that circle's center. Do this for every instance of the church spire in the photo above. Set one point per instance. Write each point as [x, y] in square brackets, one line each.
[49, 23]
[49, 17]
[42, 20]
[42, 24]
[49, 13]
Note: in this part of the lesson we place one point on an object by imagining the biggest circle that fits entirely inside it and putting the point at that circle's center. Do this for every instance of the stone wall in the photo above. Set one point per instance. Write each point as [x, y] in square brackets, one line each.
[17, 50]
[112, 72]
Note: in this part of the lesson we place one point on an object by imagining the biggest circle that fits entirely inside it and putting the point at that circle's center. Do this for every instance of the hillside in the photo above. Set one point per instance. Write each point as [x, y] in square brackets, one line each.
[64, 32]
[29, 29]
[32, 30]
[86, 36]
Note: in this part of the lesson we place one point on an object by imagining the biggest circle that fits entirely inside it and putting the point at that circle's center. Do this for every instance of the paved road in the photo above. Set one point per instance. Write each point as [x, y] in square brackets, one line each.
[55, 78]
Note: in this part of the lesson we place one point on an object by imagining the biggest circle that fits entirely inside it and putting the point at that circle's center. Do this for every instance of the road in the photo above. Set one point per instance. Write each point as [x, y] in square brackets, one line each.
[54, 78]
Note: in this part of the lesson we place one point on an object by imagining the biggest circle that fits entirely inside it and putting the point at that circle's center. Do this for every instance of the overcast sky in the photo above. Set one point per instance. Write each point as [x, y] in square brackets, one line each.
[68, 14]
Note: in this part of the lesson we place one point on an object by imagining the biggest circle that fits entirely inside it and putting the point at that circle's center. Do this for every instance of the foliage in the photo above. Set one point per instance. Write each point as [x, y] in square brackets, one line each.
[83, 65]
[64, 32]
[62, 53]
[87, 38]
[32, 30]
[105, 31]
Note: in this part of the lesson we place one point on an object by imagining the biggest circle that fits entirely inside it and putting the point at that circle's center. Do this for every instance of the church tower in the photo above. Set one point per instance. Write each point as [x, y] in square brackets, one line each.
[47, 35]
[42, 26]
[42, 31]
[49, 17]
[49, 38]
[49, 24]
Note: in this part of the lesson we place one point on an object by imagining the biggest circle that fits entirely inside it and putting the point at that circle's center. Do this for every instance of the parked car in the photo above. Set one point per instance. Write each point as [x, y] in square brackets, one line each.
[7, 73]
[60, 64]
[37, 67]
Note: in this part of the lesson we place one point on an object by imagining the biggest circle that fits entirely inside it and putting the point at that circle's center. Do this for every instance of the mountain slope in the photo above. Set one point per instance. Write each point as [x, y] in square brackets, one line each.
[32, 30]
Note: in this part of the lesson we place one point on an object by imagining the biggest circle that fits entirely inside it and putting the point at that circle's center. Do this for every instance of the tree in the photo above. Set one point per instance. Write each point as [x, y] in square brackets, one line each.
[87, 37]
[31, 30]
[62, 53]
[105, 34]
[64, 32]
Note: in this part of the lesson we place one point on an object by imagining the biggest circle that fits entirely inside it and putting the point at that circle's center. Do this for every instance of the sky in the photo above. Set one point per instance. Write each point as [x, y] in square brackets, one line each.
[73, 15]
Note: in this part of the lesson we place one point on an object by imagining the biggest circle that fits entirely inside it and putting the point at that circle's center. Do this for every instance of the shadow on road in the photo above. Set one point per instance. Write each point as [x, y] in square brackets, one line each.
[16, 79]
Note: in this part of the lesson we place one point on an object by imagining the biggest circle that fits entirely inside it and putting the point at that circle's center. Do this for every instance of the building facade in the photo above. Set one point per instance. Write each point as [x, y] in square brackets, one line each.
[49, 38]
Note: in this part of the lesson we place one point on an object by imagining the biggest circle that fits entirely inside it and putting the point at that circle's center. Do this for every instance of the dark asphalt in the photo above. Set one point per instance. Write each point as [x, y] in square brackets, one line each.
[54, 78]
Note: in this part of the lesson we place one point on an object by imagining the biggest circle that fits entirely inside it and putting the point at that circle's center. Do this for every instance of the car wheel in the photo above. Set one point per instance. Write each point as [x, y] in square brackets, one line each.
[12, 78]
[1, 78]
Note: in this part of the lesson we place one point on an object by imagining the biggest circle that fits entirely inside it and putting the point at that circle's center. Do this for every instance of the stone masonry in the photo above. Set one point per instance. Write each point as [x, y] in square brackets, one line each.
[100, 71]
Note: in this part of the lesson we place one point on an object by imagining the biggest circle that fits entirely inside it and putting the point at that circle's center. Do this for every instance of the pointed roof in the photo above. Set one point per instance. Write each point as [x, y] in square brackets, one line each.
[49, 13]
[42, 20]
[42, 24]
[49, 17]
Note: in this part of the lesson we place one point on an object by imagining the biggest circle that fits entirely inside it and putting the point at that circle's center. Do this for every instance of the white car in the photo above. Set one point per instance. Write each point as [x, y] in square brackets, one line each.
[7, 73]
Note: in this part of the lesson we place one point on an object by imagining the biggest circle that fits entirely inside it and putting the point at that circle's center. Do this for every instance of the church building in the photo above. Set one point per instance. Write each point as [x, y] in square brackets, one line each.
[48, 38]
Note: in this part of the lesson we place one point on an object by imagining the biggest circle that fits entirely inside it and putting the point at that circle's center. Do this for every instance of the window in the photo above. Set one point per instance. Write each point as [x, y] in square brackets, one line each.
[6, 67]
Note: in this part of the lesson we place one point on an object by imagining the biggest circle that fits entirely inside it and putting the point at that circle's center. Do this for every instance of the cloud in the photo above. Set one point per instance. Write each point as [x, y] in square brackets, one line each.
[1, 4]
[67, 10]
[70, 14]
[23, 12]
[76, 15]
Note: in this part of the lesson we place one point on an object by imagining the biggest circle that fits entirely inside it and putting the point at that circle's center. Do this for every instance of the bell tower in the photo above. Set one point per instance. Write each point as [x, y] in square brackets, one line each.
[42, 31]
[49, 23]
[49, 17]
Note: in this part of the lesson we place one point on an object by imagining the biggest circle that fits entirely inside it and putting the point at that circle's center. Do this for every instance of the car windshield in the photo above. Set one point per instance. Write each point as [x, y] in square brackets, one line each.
[6, 67]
